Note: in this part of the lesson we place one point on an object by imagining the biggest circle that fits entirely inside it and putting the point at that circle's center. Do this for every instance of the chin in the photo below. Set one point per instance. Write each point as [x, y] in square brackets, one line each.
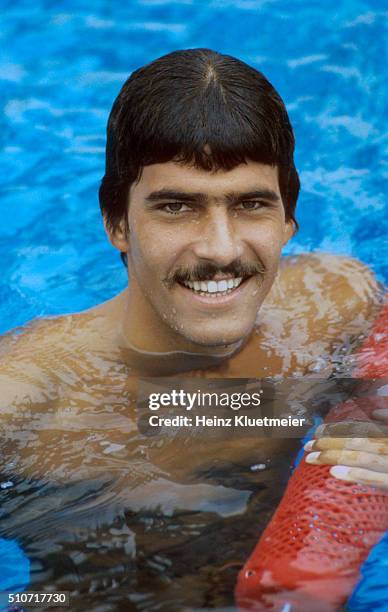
[217, 338]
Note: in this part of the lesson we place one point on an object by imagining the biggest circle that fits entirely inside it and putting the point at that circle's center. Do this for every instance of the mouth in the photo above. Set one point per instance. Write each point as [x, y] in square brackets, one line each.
[214, 288]
[223, 292]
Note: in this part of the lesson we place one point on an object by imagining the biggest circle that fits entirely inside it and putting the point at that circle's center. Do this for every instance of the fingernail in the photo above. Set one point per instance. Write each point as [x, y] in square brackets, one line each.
[340, 471]
[312, 457]
[309, 445]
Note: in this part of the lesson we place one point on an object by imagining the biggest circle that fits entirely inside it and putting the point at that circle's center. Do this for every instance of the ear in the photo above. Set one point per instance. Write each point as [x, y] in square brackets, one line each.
[118, 235]
[289, 231]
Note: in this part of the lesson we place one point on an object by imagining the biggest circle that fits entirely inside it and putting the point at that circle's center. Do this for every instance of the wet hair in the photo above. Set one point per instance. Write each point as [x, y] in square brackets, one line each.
[201, 108]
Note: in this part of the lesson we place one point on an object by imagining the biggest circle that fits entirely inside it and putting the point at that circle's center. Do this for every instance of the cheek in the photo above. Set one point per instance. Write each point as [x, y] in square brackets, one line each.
[266, 241]
[152, 254]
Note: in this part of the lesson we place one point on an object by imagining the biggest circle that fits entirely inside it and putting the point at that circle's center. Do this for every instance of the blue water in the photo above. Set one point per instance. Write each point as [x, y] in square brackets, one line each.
[14, 570]
[62, 64]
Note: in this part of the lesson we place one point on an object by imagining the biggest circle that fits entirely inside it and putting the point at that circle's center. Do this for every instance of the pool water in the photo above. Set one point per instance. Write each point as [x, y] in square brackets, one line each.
[61, 66]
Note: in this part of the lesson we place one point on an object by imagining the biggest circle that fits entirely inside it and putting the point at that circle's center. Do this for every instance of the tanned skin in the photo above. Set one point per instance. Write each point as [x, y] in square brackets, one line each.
[68, 378]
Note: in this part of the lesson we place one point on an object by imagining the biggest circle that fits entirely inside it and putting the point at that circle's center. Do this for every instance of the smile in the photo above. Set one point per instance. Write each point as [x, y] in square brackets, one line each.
[219, 294]
[214, 288]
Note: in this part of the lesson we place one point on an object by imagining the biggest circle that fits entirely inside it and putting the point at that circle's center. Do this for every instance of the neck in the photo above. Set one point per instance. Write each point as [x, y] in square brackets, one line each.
[152, 346]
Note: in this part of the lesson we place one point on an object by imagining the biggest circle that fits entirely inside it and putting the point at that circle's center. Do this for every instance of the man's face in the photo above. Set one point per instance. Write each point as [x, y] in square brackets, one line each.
[204, 248]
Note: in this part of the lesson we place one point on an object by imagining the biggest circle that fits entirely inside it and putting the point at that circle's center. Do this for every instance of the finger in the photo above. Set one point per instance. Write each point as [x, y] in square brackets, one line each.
[356, 429]
[361, 476]
[378, 446]
[381, 414]
[361, 459]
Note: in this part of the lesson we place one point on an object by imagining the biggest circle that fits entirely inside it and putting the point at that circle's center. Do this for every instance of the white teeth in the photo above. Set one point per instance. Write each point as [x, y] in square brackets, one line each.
[221, 286]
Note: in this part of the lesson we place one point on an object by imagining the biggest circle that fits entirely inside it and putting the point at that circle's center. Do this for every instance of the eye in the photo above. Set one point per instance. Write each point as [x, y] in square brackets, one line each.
[250, 205]
[174, 208]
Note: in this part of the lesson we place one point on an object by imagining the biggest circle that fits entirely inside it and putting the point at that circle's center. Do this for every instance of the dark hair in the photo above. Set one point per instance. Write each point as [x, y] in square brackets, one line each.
[198, 107]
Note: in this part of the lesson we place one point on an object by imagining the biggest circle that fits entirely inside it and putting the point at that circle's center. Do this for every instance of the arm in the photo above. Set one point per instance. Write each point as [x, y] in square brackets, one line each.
[361, 459]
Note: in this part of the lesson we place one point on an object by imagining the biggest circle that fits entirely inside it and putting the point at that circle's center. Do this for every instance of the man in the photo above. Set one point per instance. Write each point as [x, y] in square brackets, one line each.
[199, 198]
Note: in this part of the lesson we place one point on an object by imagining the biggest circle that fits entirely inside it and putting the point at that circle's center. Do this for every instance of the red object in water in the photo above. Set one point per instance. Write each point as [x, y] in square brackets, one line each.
[309, 556]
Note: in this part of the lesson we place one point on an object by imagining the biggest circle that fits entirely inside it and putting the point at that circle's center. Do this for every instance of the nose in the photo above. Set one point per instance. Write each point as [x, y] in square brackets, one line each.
[217, 240]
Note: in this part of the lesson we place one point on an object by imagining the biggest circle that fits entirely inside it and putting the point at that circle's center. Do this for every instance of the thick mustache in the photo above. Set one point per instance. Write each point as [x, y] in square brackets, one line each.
[207, 271]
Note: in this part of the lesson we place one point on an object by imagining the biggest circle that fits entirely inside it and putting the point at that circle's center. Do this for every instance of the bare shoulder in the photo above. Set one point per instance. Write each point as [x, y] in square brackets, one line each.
[345, 280]
[333, 292]
[28, 356]
[40, 358]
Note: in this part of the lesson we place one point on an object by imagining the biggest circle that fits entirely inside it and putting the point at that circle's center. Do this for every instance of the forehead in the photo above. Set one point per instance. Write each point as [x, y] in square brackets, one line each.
[173, 175]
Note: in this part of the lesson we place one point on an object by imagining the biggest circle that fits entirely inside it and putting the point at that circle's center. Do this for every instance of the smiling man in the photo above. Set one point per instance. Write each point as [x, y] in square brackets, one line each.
[201, 148]
[203, 251]
[199, 197]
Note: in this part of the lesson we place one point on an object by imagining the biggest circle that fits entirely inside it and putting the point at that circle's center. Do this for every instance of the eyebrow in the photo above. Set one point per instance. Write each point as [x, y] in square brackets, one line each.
[231, 196]
[172, 194]
[256, 194]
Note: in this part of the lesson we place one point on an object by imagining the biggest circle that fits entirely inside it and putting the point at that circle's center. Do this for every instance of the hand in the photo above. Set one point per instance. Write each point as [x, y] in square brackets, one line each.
[363, 460]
